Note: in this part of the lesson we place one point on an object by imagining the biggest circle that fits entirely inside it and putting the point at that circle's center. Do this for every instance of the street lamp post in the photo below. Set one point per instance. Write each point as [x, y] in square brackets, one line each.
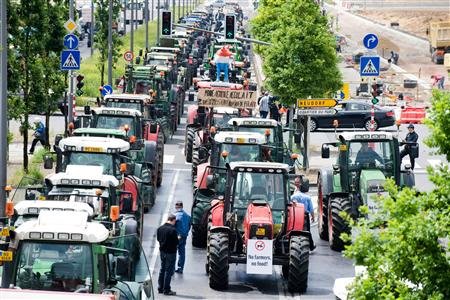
[157, 23]
[124, 16]
[92, 28]
[132, 27]
[110, 13]
[3, 107]
[146, 24]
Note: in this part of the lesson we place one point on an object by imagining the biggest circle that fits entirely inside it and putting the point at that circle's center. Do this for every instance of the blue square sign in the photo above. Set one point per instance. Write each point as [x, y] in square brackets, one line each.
[369, 66]
[70, 60]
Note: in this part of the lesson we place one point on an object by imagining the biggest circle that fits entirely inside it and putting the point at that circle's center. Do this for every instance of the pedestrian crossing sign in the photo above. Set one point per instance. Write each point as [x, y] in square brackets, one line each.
[369, 66]
[70, 60]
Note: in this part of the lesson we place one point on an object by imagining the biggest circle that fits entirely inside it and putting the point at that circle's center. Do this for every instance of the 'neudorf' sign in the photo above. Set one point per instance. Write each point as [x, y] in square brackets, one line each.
[230, 98]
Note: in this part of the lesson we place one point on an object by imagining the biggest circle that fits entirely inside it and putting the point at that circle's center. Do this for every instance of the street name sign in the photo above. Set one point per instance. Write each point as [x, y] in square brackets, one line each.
[315, 112]
[259, 256]
[70, 60]
[369, 66]
[71, 41]
[370, 41]
[211, 97]
[306, 103]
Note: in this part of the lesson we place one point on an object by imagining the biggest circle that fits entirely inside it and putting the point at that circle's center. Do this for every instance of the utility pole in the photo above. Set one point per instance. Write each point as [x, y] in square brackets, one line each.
[3, 107]
[132, 27]
[157, 23]
[179, 10]
[92, 28]
[70, 101]
[125, 4]
[183, 7]
[173, 12]
[110, 43]
[153, 8]
[146, 24]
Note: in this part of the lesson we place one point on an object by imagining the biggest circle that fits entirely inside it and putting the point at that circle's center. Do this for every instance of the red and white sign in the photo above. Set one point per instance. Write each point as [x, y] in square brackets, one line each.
[128, 56]
[259, 256]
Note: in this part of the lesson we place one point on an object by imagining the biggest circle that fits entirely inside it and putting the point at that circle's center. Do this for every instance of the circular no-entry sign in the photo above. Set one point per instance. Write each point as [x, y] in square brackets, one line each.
[128, 56]
[260, 245]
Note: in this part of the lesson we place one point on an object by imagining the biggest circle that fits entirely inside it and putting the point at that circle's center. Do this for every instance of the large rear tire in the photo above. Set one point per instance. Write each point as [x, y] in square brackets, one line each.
[298, 264]
[195, 163]
[322, 206]
[218, 261]
[336, 224]
[190, 136]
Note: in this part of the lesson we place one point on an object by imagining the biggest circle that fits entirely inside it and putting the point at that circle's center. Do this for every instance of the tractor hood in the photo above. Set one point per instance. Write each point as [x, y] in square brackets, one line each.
[371, 184]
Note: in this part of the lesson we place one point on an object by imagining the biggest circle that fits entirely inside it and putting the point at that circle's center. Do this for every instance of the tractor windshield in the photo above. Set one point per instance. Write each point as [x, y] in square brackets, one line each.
[240, 152]
[261, 130]
[142, 87]
[374, 154]
[54, 267]
[116, 122]
[74, 194]
[130, 105]
[221, 120]
[109, 163]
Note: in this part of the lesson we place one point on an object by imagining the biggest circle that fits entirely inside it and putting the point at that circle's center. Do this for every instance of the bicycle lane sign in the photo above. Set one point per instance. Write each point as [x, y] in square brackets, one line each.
[259, 256]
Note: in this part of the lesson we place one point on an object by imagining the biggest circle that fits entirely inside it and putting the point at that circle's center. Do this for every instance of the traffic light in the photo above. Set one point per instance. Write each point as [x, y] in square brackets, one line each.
[166, 29]
[375, 93]
[80, 84]
[230, 26]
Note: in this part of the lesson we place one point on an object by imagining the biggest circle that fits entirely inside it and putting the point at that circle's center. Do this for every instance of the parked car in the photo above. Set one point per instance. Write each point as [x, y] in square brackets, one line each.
[354, 114]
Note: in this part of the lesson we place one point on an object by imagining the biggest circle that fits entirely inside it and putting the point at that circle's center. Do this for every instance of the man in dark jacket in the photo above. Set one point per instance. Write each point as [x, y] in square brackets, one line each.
[411, 137]
[168, 242]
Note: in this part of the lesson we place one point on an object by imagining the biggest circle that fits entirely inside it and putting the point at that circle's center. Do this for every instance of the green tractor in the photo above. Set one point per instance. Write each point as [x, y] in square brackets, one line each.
[364, 162]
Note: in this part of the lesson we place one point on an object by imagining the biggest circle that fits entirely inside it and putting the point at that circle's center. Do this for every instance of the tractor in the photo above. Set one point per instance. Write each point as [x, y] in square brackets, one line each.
[226, 147]
[61, 251]
[256, 224]
[144, 137]
[364, 162]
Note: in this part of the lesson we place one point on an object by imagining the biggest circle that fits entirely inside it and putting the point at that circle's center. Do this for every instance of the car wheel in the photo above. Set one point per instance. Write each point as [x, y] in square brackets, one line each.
[368, 122]
[312, 125]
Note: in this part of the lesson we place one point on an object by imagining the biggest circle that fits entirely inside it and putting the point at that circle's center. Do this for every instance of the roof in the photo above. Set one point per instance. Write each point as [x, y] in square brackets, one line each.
[219, 85]
[105, 132]
[261, 166]
[19, 294]
[141, 97]
[378, 135]
[83, 175]
[164, 49]
[117, 111]
[239, 137]
[94, 144]
[253, 122]
[33, 207]
[65, 226]
[225, 110]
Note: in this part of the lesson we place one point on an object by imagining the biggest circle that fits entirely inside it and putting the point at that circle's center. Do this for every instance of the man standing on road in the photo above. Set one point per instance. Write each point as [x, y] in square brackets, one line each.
[39, 134]
[264, 106]
[300, 197]
[183, 225]
[411, 137]
[168, 241]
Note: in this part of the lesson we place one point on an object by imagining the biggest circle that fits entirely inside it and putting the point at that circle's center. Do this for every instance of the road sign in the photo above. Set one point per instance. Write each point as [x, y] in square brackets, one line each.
[314, 112]
[369, 66]
[306, 103]
[70, 25]
[107, 90]
[370, 41]
[70, 60]
[259, 256]
[70, 41]
[128, 56]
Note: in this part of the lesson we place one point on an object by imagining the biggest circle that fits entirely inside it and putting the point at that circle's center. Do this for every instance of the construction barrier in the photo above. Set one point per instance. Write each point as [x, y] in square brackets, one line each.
[414, 115]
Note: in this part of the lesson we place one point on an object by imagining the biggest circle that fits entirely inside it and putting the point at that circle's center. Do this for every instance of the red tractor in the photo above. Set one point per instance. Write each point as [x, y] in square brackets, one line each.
[256, 224]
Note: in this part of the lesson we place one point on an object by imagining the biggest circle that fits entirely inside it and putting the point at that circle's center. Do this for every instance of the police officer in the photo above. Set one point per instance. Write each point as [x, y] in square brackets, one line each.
[411, 137]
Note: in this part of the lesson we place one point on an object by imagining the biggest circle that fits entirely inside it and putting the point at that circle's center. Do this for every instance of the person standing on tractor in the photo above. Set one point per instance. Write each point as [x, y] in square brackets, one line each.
[168, 242]
[183, 225]
[264, 106]
[39, 134]
[411, 137]
[300, 197]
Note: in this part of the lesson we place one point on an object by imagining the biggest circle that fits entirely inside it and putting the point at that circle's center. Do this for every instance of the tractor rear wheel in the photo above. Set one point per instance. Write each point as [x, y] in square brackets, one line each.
[190, 136]
[298, 264]
[195, 163]
[336, 224]
[218, 261]
[322, 206]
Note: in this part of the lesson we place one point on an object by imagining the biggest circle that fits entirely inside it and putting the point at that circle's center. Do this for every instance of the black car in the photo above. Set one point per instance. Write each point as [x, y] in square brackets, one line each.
[354, 114]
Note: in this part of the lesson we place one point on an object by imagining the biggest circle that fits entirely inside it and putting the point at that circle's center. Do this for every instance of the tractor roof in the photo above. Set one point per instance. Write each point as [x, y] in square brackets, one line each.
[67, 226]
[102, 132]
[253, 122]
[161, 55]
[94, 144]
[219, 85]
[239, 137]
[117, 111]
[369, 136]
[33, 207]
[165, 49]
[83, 175]
[126, 97]
[263, 167]
[225, 110]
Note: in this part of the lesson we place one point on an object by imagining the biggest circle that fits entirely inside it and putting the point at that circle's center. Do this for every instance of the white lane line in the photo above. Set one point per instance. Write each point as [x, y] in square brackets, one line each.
[163, 219]
[169, 159]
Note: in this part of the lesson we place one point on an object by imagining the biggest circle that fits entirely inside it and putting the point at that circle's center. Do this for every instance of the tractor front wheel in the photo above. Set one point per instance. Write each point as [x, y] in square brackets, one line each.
[298, 265]
[336, 223]
[190, 136]
[218, 261]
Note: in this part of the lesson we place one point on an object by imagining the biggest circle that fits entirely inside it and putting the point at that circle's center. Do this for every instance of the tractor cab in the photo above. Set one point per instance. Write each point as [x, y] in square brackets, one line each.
[130, 101]
[61, 251]
[128, 120]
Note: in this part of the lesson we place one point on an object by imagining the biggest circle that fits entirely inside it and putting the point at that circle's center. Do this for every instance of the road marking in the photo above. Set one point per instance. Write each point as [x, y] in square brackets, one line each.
[163, 219]
[169, 159]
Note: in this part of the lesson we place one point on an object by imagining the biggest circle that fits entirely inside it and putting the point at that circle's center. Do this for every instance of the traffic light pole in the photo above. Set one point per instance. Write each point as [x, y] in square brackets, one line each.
[124, 16]
[3, 107]
[146, 25]
[110, 50]
[132, 27]
[70, 100]
[179, 9]
[92, 28]
[184, 3]
[158, 28]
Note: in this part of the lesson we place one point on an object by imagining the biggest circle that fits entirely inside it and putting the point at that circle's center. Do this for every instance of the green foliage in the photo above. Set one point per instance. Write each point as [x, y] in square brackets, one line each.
[439, 122]
[301, 61]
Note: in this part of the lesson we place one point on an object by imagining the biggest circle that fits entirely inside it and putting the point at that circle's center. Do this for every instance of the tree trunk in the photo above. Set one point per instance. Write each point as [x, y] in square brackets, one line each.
[47, 129]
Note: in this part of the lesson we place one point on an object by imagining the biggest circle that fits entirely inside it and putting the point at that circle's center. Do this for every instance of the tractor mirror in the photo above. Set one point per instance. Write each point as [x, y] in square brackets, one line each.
[304, 188]
[325, 151]
[202, 153]
[148, 288]
[48, 162]
[140, 52]
[297, 137]
[138, 60]
[210, 182]
[87, 110]
[58, 138]
[122, 265]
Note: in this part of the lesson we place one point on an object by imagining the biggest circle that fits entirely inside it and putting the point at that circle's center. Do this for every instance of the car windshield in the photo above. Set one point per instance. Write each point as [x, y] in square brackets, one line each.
[116, 122]
[105, 160]
[130, 105]
[240, 152]
[374, 154]
[261, 130]
[54, 267]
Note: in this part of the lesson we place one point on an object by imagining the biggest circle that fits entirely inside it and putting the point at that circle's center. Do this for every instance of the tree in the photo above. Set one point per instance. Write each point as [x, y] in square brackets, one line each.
[408, 256]
[101, 35]
[301, 61]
